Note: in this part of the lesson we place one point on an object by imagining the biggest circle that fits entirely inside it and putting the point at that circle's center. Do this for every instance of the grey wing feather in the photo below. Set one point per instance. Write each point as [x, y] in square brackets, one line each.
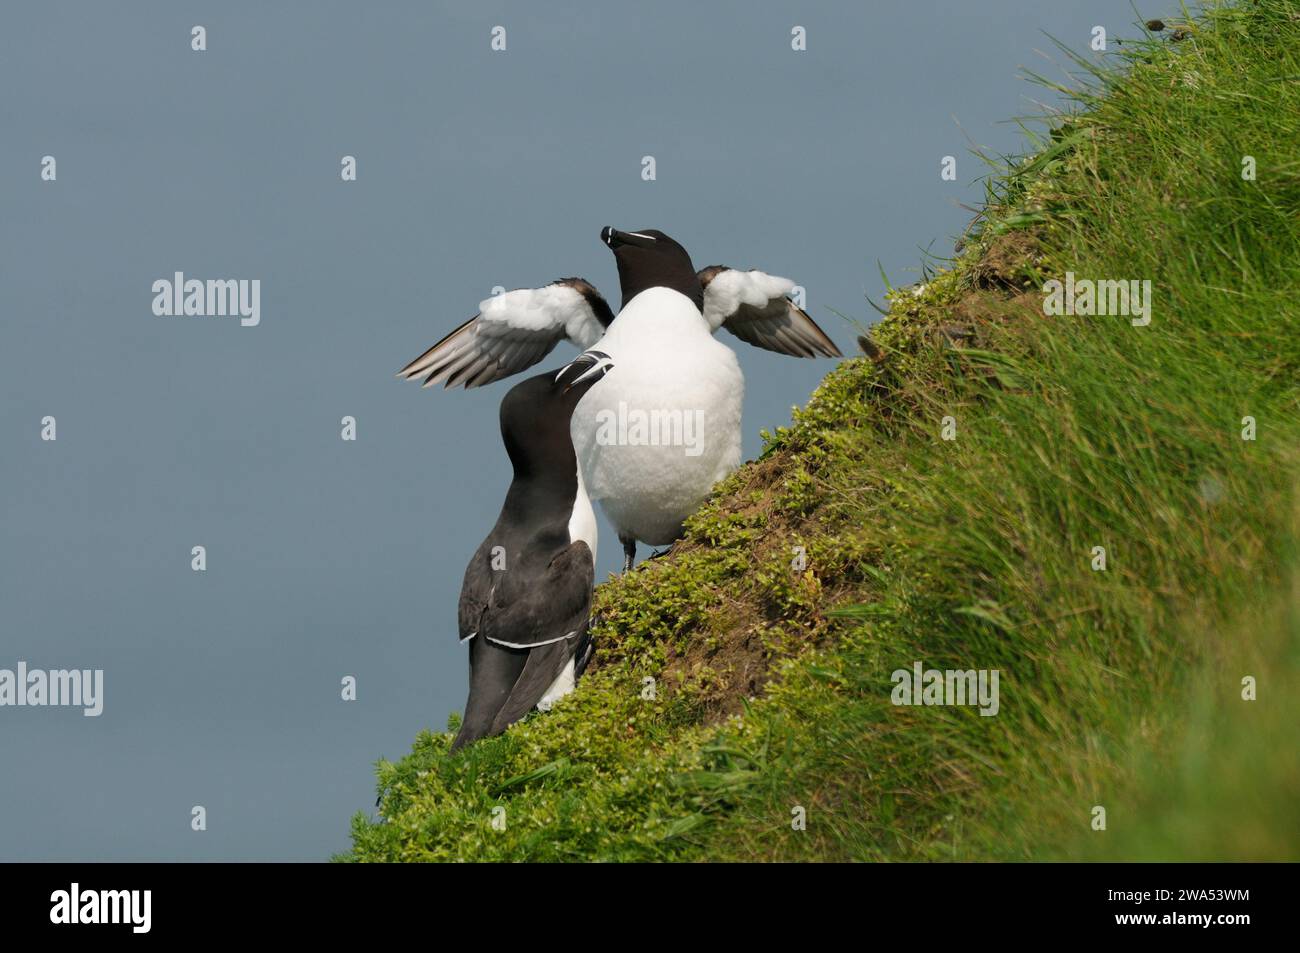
[542, 669]
[475, 592]
[753, 306]
[512, 332]
[554, 606]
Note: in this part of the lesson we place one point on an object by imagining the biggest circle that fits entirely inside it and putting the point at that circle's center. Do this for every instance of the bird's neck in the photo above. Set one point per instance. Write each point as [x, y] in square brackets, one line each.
[634, 280]
[537, 489]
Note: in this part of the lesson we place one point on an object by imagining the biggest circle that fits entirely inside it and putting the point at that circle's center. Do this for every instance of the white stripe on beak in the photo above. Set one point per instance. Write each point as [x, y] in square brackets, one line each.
[602, 365]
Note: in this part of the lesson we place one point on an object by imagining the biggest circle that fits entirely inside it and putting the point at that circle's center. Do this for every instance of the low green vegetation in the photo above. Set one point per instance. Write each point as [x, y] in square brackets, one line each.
[748, 674]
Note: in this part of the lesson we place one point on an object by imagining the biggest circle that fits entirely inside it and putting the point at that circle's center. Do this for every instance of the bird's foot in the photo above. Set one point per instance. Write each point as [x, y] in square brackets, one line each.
[666, 550]
[629, 552]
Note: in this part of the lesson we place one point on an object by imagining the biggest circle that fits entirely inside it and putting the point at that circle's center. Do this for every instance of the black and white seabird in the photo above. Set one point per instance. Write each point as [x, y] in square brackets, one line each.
[525, 601]
[672, 373]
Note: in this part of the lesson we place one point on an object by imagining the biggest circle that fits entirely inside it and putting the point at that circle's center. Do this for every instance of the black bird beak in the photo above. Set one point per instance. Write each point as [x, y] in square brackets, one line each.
[590, 366]
[614, 238]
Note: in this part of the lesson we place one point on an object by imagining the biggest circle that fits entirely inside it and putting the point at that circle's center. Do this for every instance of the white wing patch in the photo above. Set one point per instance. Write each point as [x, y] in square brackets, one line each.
[554, 310]
[531, 645]
[753, 306]
[733, 289]
[512, 332]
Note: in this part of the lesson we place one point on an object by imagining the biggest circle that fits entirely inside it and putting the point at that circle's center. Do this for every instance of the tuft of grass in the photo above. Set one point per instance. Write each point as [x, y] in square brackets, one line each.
[738, 684]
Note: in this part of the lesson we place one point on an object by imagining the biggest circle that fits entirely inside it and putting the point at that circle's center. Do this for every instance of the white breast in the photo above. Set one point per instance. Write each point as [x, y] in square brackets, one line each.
[666, 363]
[582, 521]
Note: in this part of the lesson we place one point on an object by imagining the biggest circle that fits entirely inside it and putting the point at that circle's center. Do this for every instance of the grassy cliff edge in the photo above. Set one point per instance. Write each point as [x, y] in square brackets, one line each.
[744, 681]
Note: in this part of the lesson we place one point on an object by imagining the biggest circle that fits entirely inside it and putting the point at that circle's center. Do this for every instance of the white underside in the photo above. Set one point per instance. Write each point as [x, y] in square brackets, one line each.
[582, 521]
[562, 685]
[582, 526]
[665, 359]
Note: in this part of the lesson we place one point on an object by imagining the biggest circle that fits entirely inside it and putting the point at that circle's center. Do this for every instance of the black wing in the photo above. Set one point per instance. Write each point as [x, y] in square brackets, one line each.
[528, 608]
[526, 626]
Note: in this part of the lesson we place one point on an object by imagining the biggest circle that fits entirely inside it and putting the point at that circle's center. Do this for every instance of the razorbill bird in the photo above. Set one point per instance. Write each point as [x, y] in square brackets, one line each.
[654, 439]
[525, 600]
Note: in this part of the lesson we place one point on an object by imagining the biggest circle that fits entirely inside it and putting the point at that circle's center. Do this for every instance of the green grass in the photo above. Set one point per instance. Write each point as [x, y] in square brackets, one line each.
[1118, 688]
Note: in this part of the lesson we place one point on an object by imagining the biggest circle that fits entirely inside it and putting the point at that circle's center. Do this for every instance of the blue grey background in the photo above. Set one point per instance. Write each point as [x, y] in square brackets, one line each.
[476, 169]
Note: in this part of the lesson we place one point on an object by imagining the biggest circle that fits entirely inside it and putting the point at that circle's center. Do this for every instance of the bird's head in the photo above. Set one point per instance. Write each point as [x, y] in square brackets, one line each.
[577, 377]
[647, 258]
[535, 413]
